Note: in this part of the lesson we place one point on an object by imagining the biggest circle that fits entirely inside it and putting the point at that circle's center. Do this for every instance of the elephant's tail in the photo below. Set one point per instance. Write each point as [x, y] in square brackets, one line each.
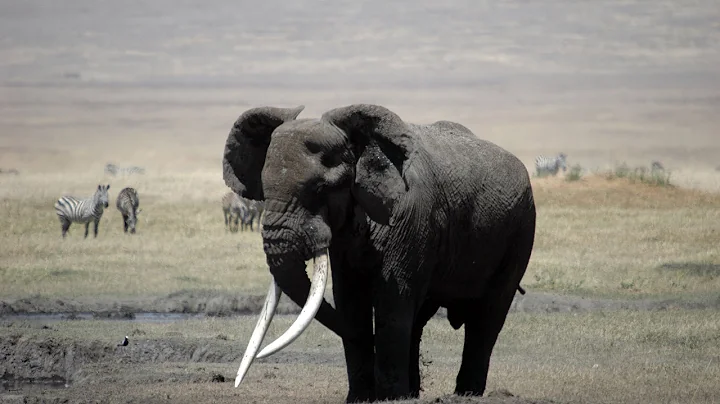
[521, 290]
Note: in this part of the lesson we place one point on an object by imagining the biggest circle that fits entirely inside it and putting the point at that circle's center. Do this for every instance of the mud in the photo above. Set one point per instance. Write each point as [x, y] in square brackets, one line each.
[38, 364]
[200, 303]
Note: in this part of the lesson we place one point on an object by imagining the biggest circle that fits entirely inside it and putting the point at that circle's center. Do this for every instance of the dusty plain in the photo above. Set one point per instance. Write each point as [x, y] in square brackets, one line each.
[624, 283]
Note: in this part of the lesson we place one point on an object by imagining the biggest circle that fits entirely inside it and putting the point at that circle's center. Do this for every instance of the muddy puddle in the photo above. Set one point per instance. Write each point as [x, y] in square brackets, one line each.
[11, 385]
[139, 317]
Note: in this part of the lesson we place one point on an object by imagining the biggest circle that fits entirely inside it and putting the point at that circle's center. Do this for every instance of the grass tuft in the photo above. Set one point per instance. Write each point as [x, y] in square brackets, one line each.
[575, 173]
[640, 174]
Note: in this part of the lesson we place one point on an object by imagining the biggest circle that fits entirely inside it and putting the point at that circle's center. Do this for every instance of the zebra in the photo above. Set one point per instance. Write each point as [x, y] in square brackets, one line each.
[254, 210]
[127, 203]
[550, 165]
[11, 171]
[233, 208]
[656, 166]
[73, 210]
[115, 170]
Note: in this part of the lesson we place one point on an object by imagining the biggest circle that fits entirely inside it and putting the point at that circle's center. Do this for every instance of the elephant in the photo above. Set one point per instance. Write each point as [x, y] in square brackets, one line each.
[409, 217]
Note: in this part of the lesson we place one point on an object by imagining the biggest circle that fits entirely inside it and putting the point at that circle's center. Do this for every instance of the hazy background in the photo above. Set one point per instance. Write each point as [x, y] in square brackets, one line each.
[159, 83]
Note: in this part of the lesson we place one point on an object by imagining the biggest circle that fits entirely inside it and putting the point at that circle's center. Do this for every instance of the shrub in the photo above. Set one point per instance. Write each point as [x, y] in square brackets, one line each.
[640, 174]
[575, 173]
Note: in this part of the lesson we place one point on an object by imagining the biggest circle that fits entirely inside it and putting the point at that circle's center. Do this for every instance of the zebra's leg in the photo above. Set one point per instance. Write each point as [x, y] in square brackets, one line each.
[65, 225]
[125, 222]
[97, 223]
[87, 228]
[227, 223]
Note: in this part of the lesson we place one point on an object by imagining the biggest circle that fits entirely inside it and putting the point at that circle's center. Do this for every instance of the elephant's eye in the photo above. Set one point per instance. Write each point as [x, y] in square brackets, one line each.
[331, 159]
[313, 147]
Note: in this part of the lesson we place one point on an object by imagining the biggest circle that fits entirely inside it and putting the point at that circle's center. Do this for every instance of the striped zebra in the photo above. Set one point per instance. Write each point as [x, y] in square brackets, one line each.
[127, 203]
[115, 170]
[656, 166]
[254, 211]
[550, 165]
[233, 210]
[73, 210]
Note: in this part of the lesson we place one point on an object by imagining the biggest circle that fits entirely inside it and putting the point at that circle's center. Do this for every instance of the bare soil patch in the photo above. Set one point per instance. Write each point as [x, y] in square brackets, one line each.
[619, 356]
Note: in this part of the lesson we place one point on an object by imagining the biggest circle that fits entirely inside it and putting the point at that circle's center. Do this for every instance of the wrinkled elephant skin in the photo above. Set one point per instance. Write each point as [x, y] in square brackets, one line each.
[414, 217]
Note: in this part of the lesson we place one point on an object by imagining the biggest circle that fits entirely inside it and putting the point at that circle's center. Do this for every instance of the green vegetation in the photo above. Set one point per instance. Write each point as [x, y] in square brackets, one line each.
[640, 174]
[575, 173]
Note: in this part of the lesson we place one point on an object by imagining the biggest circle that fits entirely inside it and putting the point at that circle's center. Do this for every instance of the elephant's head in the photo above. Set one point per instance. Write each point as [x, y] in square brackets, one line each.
[313, 175]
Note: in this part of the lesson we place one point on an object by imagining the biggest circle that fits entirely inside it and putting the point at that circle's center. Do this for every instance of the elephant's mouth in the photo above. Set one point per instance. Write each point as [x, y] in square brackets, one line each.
[314, 300]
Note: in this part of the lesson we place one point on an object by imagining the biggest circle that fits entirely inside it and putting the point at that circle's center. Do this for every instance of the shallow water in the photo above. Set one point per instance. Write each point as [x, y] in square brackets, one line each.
[8, 384]
[143, 317]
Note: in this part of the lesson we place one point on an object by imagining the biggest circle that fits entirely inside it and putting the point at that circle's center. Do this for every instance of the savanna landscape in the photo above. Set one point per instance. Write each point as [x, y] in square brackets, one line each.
[623, 287]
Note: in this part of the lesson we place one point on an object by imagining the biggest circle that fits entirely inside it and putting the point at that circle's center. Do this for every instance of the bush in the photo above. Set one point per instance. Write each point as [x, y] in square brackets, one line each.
[640, 174]
[575, 173]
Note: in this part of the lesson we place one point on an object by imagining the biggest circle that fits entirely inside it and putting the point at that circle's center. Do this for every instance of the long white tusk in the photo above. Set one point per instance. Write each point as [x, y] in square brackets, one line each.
[268, 311]
[315, 298]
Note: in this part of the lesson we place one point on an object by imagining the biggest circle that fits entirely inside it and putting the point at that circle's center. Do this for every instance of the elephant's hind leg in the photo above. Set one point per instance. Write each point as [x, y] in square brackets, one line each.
[485, 317]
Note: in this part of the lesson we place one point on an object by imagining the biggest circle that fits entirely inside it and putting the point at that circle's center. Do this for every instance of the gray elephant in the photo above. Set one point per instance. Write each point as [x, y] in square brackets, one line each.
[412, 218]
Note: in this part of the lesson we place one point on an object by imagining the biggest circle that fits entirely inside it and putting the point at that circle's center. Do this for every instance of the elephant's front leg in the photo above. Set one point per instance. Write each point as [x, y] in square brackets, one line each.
[353, 300]
[427, 310]
[394, 318]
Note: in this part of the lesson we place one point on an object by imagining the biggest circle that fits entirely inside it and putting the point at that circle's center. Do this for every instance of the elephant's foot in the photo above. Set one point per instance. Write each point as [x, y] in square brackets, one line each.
[362, 382]
[465, 389]
[360, 397]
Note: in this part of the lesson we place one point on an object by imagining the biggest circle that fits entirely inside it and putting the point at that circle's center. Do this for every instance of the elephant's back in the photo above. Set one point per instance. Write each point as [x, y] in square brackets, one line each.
[459, 154]
[478, 195]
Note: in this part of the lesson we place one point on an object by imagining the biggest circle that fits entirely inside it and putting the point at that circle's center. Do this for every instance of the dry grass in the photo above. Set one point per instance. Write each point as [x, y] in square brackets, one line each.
[180, 244]
[603, 237]
[628, 357]
[594, 236]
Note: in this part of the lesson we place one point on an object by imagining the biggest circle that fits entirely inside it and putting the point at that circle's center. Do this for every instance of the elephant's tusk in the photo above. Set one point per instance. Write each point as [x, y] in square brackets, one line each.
[268, 311]
[315, 298]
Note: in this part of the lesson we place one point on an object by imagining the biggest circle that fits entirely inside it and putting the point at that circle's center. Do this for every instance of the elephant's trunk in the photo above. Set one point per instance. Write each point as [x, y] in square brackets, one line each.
[287, 249]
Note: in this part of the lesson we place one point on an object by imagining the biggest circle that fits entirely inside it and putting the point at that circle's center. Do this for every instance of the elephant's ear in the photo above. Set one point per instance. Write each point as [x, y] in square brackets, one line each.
[247, 145]
[383, 143]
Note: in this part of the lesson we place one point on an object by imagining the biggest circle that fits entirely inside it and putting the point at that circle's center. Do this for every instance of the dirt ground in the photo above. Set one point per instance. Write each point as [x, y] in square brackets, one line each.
[38, 366]
[73, 358]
